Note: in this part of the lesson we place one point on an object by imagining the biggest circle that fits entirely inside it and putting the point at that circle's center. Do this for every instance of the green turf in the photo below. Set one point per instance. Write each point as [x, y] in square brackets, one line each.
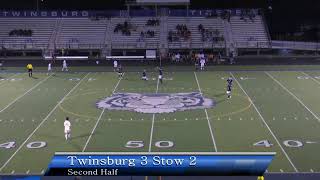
[278, 106]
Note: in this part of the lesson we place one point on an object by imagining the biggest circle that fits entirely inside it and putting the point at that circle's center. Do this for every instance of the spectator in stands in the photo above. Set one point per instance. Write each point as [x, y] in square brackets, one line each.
[200, 28]
[21, 32]
[153, 22]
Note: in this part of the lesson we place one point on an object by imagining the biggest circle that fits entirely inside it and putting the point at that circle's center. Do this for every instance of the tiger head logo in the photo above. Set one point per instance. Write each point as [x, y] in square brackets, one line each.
[155, 103]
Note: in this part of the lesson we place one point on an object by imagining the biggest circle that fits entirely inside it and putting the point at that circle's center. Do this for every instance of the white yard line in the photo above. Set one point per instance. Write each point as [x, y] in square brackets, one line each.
[266, 124]
[100, 116]
[32, 88]
[152, 125]
[205, 110]
[293, 96]
[42, 122]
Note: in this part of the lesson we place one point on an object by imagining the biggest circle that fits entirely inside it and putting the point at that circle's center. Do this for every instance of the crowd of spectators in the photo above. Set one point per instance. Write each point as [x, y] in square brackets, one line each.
[21, 32]
[210, 35]
[146, 34]
[247, 14]
[182, 31]
[195, 57]
[124, 28]
[153, 22]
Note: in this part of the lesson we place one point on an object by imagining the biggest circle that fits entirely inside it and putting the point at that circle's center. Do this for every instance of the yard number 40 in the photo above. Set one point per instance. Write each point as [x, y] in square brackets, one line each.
[287, 143]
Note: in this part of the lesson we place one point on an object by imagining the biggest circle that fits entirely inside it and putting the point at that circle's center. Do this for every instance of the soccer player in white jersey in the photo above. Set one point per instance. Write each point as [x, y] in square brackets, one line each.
[49, 68]
[67, 128]
[202, 63]
[64, 66]
[115, 65]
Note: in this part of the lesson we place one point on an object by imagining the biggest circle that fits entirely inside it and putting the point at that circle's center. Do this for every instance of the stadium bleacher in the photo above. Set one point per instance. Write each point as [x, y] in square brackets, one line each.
[87, 33]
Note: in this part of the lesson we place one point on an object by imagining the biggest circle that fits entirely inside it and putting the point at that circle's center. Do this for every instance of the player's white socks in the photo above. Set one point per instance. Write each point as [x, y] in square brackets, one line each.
[66, 136]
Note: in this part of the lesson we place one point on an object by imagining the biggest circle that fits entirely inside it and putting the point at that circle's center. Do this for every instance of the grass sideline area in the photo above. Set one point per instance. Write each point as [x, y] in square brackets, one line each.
[273, 108]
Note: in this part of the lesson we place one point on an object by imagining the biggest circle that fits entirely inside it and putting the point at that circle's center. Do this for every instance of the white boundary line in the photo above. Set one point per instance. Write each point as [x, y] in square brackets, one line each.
[152, 125]
[205, 110]
[318, 82]
[266, 124]
[16, 74]
[25, 93]
[42, 122]
[102, 112]
[293, 96]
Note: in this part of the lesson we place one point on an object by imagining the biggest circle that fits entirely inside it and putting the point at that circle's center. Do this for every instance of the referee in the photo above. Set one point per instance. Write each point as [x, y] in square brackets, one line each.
[29, 67]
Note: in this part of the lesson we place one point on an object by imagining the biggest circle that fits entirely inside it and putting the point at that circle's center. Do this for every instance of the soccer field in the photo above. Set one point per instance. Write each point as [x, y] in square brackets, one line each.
[273, 111]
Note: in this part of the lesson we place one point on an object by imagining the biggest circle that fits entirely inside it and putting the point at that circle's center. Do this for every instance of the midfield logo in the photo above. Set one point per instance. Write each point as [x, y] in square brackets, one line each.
[155, 103]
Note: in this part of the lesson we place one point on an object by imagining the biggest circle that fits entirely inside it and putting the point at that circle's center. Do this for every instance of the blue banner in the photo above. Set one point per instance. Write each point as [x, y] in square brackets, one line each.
[159, 164]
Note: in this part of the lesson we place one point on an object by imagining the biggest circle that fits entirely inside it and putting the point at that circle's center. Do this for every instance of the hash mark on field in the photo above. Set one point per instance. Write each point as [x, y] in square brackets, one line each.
[41, 123]
[14, 101]
[266, 124]
[207, 116]
[99, 118]
[293, 96]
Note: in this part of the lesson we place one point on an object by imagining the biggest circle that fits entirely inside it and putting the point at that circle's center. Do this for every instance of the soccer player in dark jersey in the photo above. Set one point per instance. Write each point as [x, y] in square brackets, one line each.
[144, 75]
[160, 74]
[229, 87]
[120, 71]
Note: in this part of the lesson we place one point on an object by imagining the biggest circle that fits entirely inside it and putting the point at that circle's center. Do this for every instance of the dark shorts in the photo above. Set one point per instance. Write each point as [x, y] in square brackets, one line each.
[29, 70]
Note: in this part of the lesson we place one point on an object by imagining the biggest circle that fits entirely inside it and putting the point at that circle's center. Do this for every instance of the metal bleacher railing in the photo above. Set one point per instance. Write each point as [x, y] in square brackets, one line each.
[295, 45]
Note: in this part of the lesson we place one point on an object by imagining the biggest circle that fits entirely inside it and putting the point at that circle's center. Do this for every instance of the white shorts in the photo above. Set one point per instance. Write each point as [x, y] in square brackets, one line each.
[115, 66]
[144, 78]
[202, 65]
[49, 69]
[67, 131]
[228, 92]
[64, 66]
[160, 76]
